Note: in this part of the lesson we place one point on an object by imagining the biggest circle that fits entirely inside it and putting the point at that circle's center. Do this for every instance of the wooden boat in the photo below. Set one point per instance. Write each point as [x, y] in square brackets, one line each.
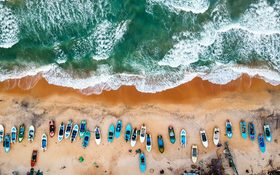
[149, 142]
[51, 128]
[203, 138]
[194, 153]
[160, 143]
[34, 158]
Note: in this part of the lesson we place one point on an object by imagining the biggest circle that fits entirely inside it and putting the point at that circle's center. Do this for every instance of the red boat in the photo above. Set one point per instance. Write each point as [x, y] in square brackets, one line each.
[52, 128]
[34, 158]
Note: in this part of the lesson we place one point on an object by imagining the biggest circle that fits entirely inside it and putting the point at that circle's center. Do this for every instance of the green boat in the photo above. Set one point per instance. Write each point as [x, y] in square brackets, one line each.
[21, 132]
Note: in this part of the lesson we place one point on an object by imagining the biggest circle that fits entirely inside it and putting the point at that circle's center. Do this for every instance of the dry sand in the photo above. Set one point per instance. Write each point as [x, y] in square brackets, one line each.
[195, 105]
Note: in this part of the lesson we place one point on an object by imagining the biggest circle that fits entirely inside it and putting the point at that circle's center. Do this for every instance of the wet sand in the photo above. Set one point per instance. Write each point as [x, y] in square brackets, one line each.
[193, 106]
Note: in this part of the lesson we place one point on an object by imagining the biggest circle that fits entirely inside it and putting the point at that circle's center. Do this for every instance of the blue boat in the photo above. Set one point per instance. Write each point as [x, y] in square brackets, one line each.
[83, 128]
[267, 133]
[118, 129]
[229, 129]
[160, 144]
[243, 127]
[111, 133]
[7, 143]
[128, 130]
[86, 139]
[142, 162]
[251, 130]
[171, 132]
[13, 134]
[261, 143]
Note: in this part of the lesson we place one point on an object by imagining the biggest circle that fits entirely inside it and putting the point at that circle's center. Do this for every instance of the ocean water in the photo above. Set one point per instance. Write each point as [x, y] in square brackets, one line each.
[153, 45]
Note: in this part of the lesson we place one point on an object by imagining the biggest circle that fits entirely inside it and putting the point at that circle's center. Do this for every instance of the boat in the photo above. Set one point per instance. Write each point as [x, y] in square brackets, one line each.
[97, 133]
[111, 133]
[128, 129]
[13, 134]
[142, 163]
[21, 132]
[261, 143]
[183, 138]
[31, 133]
[60, 132]
[52, 128]
[133, 137]
[68, 128]
[229, 129]
[7, 143]
[251, 130]
[160, 143]
[267, 132]
[2, 132]
[243, 127]
[194, 153]
[148, 142]
[34, 158]
[118, 129]
[142, 133]
[44, 142]
[216, 136]
[171, 132]
[74, 133]
[86, 139]
[204, 139]
[83, 128]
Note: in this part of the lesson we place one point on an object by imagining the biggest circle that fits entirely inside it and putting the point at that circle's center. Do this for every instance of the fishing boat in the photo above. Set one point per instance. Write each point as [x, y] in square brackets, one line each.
[74, 133]
[68, 128]
[118, 129]
[133, 137]
[60, 132]
[34, 158]
[203, 138]
[251, 130]
[229, 129]
[83, 128]
[44, 142]
[183, 138]
[7, 143]
[243, 130]
[2, 132]
[21, 132]
[142, 162]
[97, 135]
[128, 129]
[51, 128]
[86, 139]
[149, 142]
[194, 153]
[171, 132]
[13, 134]
[142, 133]
[216, 136]
[111, 133]
[160, 143]
[261, 143]
[31, 133]
[267, 132]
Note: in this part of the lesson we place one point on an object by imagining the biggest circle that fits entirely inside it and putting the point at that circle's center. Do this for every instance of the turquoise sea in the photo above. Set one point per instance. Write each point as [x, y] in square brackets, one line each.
[153, 45]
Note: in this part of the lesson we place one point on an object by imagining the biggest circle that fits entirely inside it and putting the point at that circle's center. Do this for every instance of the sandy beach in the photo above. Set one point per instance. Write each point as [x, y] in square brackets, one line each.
[195, 105]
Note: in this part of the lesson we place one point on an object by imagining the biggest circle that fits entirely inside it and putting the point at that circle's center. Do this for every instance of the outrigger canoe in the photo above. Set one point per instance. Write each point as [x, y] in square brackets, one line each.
[142, 133]
[160, 143]
[7, 143]
[31, 133]
[118, 129]
[86, 139]
[243, 129]
[261, 143]
[21, 132]
[149, 142]
[267, 133]
[83, 128]
[2, 132]
[111, 133]
[183, 138]
[60, 132]
[203, 138]
[229, 129]
[128, 129]
[74, 133]
[216, 136]
[194, 153]
[13, 134]
[133, 137]
[142, 162]
[171, 132]
[97, 133]
[51, 128]
[44, 142]
[68, 128]
[251, 130]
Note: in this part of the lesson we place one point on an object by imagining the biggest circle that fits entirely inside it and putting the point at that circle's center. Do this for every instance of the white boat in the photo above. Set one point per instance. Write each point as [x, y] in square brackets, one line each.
[13, 134]
[133, 137]
[216, 136]
[2, 132]
[183, 138]
[44, 142]
[148, 142]
[142, 133]
[74, 133]
[31, 133]
[97, 134]
[68, 129]
[60, 132]
[203, 138]
[194, 153]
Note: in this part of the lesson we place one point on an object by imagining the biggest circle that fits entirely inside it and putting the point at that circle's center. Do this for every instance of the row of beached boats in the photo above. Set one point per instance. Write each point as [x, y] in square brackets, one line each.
[71, 131]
